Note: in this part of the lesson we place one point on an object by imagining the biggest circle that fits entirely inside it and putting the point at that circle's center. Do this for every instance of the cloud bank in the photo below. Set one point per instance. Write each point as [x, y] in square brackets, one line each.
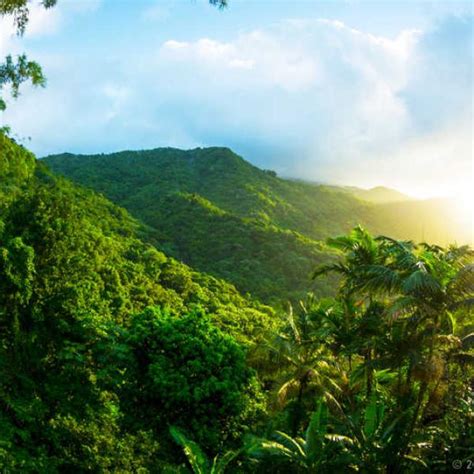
[310, 98]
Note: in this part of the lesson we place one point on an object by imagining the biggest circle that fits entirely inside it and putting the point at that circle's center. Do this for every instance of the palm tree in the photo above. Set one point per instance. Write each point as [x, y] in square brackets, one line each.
[417, 290]
[422, 285]
[360, 250]
[427, 284]
[301, 364]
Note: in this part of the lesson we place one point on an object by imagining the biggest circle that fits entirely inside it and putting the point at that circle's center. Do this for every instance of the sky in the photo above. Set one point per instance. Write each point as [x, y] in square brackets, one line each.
[344, 92]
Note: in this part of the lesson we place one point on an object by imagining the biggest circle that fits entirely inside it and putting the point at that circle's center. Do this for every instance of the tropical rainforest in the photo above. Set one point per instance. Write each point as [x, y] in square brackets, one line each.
[179, 333]
[221, 215]
[171, 311]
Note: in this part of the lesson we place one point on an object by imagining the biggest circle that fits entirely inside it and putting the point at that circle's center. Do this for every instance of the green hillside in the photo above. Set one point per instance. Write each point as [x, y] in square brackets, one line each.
[221, 215]
[75, 282]
[62, 223]
[115, 357]
[139, 180]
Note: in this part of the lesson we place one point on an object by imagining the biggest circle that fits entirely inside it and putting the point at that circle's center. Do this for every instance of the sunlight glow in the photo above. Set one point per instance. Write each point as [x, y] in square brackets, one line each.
[464, 208]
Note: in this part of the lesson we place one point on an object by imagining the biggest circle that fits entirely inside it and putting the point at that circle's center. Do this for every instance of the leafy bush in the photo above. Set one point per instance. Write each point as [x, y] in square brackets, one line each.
[188, 373]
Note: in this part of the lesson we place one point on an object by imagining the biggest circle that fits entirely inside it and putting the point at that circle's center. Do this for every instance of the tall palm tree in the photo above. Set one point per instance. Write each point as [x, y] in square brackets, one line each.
[417, 289]
[360, 250]
[301, 365]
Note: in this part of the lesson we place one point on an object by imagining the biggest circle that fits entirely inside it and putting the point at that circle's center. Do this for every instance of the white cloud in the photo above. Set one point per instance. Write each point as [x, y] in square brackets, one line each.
[242, 63]
[339, 87]
[313, 98]
[6, 36]
[271, 62]
[118, 96]
[175, 45]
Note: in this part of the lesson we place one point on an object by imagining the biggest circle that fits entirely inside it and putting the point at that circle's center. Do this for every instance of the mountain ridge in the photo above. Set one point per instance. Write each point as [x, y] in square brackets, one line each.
[217, 212]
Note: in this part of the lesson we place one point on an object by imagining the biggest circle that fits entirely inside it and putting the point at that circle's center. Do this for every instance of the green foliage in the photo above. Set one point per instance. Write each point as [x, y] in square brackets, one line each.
[221, 215]
[198, 460]
[188, 373]
[264, 230]
[15, 72]
[115, 357]
[72, 272]
[17, 167]
[20, 11]
[316, 452]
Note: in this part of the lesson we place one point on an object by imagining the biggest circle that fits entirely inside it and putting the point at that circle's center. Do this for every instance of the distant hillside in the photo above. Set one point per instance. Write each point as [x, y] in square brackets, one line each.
[377, 195]
[219, 214]
[136, 179]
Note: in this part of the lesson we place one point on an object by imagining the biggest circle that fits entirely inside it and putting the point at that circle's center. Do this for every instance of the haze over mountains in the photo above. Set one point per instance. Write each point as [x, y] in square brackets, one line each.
[221, 215]
[378, 194]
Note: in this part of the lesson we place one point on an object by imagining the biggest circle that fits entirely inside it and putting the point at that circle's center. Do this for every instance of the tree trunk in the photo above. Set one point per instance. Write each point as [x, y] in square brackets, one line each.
[369, 372]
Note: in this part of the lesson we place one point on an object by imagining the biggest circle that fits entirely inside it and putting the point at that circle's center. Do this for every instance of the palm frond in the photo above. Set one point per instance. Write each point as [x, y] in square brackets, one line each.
[400, 247]
[421, 282]
[262, 448]
[378, 278]
[372, 416]
[343, 243]
[463, 281]
[461, 254]
[287, 391]
[415, 460]
[220, 463]
[196, 457]
[337, 438]
[293, 326]
[317, 430]
[330, 268]
[402, 306]
[296, 445]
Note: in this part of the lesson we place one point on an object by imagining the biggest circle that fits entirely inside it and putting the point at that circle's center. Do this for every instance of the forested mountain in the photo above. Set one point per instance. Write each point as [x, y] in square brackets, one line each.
[52, 215]
[221, 215]
[73, 277]
[141, 180]
[155, 316]
[115, 357]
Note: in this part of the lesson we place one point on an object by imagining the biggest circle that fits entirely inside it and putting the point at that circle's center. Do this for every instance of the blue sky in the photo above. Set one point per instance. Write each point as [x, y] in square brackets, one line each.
[349, 92]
